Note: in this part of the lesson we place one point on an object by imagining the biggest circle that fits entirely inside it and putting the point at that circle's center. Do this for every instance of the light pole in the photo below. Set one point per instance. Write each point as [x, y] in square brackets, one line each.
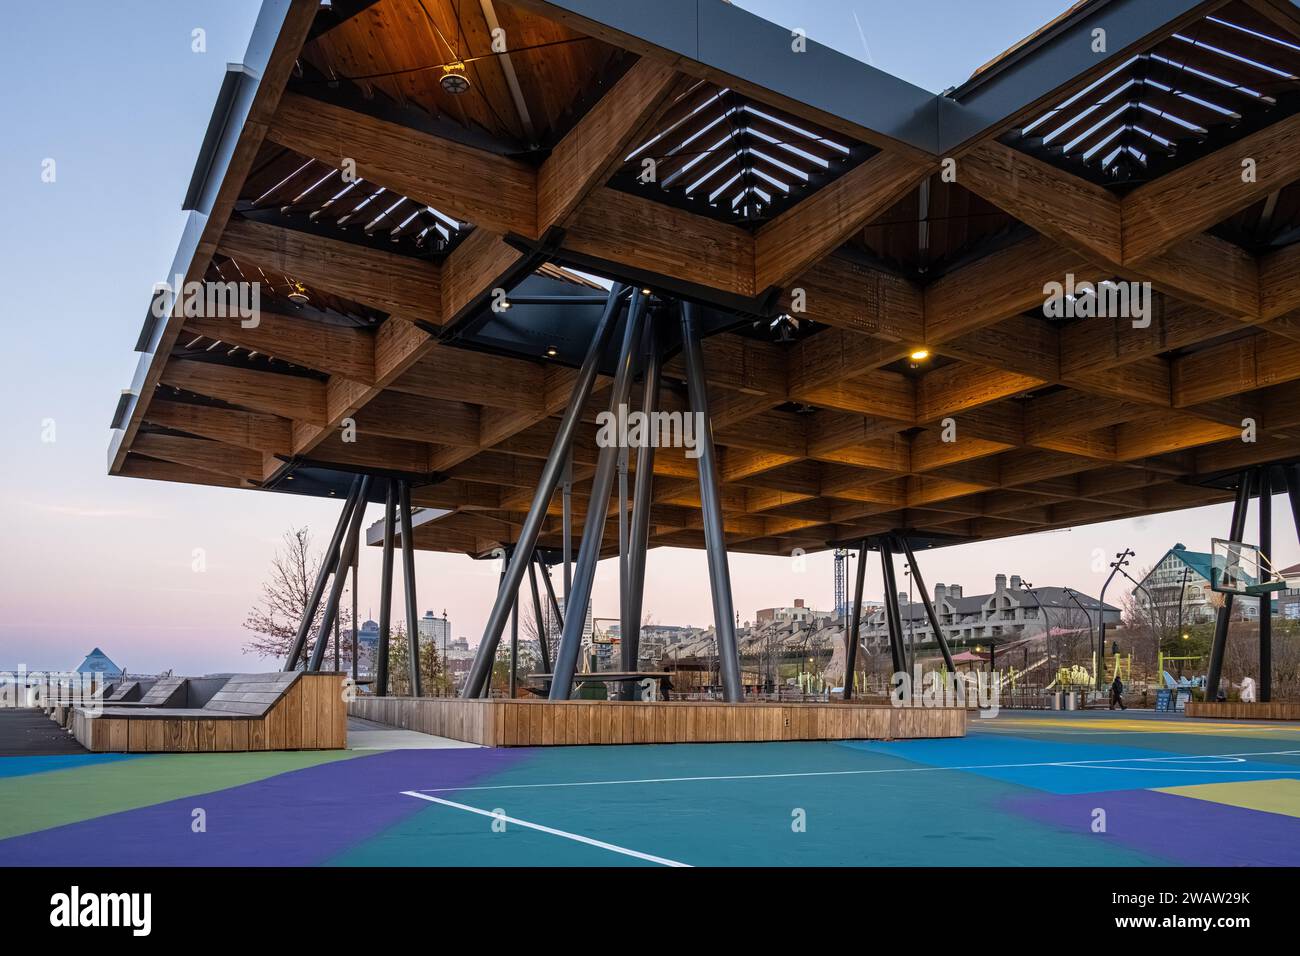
[1121, 559]
[1047, 623]
[1070, 593]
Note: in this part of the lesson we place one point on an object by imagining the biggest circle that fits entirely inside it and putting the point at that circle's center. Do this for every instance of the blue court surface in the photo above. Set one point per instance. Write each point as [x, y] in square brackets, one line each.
[1031, 790]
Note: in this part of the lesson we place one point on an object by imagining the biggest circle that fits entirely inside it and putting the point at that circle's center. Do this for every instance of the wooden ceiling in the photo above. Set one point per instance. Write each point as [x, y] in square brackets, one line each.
[826, 435]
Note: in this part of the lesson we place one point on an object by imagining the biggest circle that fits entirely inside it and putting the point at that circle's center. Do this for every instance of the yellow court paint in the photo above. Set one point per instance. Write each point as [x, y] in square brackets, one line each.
[1270, 796]
[1120, 725]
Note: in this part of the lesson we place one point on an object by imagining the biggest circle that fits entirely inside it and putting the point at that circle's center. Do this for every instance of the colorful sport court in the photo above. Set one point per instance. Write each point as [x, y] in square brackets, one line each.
[1026, 789]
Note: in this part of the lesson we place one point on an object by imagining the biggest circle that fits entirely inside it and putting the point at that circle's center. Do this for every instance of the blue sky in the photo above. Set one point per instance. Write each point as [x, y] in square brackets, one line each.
[113, 93]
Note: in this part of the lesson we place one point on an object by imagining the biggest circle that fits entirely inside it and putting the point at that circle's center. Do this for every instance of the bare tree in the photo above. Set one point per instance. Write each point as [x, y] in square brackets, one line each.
[274, 620]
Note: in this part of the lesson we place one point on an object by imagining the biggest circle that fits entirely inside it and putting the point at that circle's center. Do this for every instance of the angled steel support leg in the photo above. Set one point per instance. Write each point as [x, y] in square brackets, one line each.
[550, 592]
[386, 591]
[724, 618]
[593, 530]
[855, 623]
[408, 579]
[642, 493]
[1225, 613]
[893, 616]
[566, 524]
[929, 605]
[514, 648]
[538, 618]
[1265, 480]
[550, 478]
[349, 545]
[327, 565]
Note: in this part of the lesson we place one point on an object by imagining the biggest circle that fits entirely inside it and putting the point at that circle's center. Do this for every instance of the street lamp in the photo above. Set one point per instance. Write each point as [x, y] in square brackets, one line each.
[1121, 559]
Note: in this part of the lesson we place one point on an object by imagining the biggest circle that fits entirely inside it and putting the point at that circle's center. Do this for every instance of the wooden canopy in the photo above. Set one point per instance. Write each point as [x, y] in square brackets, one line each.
[875, 258]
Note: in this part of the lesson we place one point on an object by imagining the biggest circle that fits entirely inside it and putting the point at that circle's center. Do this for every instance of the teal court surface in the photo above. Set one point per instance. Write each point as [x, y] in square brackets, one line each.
[1029, 789]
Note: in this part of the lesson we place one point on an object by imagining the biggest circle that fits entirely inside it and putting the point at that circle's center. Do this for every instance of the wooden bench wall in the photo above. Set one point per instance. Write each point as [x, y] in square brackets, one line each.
[535, 723]
[1236, 710]
[311, 715]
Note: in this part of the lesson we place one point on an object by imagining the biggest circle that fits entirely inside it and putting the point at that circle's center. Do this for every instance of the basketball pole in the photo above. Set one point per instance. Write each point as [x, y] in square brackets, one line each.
[1225, 612]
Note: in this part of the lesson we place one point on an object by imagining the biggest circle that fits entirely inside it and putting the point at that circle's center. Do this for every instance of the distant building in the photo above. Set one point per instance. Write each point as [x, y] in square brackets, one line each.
[435, 629]
[1008, 612]
[799, 614]
[1179, 586]
[97, 662]
[1288, 601]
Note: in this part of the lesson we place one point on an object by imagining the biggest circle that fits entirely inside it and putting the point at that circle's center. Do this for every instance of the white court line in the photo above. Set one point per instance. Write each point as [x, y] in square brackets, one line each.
[577, 837]
[1080, 764]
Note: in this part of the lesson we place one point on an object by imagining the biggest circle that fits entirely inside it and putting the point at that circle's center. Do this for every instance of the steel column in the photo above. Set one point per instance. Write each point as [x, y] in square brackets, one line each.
[551, 473]
[711, 505]
[408, 580]
[929, 605]
[642, 493]
[1265, 480]
[514, 648]
[340, 575]
[1225, 613]
[328, 561]
[855, 622]
[356, 567]
[593, 530]
[566, 525]
[893, 616]
[386, 591]
[537, 616]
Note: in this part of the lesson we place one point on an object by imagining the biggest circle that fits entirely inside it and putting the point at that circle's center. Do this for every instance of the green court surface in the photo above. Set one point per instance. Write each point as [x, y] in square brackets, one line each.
[1020, 790]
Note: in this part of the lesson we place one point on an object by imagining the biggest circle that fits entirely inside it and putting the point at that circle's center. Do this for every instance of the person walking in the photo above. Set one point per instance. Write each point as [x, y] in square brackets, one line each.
[1117, 694]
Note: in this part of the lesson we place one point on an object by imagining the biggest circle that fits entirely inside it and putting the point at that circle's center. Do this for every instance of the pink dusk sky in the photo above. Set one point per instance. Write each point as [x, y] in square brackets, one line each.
[121, 102]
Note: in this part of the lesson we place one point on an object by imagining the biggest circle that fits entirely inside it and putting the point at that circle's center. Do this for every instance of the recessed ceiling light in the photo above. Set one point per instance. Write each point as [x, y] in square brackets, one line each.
[920, 355]
[552, 351]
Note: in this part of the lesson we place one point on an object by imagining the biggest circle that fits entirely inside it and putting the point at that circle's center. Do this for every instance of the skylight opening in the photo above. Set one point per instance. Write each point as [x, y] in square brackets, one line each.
[1254, 33]
[663, 133]
[282, 182]
[714, 195]
[806, 134]
[1226, 84]
[700, 159]
[776, 162]
[1173, 118]
[1102, 145]
[1077, 96]
[789, 148]
[775, 182]
[1201, 44]
[1099, 125]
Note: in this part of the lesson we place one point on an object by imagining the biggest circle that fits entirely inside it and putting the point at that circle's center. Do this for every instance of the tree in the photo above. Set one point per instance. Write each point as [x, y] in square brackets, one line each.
[275, 618]
[434, 678]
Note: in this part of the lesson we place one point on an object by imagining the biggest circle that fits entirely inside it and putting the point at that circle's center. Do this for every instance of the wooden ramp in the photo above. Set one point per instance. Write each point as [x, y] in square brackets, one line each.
[279, 711]
[539, 723]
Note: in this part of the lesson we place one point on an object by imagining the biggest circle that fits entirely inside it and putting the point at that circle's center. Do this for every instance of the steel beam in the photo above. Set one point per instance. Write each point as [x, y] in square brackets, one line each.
[538, 618]
[855, 622]
[593, 531]
[893, 617]
[1265, 480]
[386, 591]
[408, 579]
[642, 495]
[715, 542]
[929, 605]
[327, 564]
[481, 668]
[352, 535]
[1225, 612]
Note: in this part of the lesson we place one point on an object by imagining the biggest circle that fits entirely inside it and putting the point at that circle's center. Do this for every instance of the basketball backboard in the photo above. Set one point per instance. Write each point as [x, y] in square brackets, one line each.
[1237, 567]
